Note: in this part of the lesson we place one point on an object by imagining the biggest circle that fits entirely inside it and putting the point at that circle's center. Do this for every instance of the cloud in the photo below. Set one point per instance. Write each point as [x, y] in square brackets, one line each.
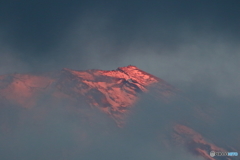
[61, 131]
[191, 57]
[194, 47]
[10, 62]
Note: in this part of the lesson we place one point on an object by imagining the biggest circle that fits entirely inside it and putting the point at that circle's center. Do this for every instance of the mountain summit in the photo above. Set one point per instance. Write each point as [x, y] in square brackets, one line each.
[112, 92]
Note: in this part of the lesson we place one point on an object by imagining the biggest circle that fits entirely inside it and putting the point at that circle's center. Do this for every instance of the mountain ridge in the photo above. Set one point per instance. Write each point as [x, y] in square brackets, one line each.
[112, 92]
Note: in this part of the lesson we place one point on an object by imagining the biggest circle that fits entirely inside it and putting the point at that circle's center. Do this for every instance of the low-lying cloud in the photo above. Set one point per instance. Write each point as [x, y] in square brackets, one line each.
[194, 47]
[80, 132]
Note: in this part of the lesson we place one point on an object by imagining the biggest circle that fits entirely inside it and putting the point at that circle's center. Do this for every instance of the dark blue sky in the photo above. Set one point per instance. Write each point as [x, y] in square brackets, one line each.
[187, 38]
[33, 28]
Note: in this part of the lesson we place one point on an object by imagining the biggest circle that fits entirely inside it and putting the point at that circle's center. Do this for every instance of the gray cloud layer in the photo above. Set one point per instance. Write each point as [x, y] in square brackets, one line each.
[192, 45]
[59, 132]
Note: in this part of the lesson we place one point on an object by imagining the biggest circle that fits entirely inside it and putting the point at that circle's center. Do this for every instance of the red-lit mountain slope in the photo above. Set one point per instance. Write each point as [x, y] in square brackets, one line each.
[112, 92]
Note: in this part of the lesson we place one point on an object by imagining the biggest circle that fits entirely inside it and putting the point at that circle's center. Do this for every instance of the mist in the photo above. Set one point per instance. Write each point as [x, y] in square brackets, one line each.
[80, 132]
[194, 46]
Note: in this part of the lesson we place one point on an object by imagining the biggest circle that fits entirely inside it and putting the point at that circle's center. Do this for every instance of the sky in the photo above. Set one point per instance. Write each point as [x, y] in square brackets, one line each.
[181, 42]
[193, 45]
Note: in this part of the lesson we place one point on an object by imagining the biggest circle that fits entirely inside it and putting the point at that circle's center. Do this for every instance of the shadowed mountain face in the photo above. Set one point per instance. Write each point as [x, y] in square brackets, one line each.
[94, 114]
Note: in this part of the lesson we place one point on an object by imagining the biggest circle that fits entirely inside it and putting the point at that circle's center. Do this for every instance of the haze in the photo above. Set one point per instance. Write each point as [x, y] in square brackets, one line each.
[193, 45]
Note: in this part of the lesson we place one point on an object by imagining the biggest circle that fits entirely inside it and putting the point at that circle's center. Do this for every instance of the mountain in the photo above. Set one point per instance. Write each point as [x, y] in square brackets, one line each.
[117, 94]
